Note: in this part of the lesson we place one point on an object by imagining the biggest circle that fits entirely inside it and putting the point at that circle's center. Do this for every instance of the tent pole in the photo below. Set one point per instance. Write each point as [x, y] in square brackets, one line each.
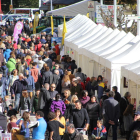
[78, 61]
[137, 100]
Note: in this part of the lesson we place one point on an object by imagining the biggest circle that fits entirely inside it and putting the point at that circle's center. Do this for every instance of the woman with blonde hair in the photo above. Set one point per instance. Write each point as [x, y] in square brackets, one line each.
[28, 59]
[65, 83]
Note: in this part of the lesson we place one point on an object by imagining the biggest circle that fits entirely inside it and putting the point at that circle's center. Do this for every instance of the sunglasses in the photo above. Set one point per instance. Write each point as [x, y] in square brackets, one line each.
[52, 87]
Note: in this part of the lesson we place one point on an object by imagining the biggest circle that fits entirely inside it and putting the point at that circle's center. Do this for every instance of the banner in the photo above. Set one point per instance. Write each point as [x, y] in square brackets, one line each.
[5, 136]
[17, 30]
[58, 40]
[36, 20]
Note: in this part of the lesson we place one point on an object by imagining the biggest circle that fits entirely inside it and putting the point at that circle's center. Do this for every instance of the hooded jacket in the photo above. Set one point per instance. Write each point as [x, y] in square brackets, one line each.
[58, 104]
[11, 64]
[6, 54]
[44, 99]
[31, 84]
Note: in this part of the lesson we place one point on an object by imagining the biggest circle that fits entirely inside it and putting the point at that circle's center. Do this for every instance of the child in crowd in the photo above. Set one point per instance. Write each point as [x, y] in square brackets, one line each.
[35, 102]
[11, 111]
[99, 132]
[24, 103]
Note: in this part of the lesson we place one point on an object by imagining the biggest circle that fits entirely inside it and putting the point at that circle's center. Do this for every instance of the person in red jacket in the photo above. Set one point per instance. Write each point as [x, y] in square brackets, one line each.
[56, 47]
[38, 46]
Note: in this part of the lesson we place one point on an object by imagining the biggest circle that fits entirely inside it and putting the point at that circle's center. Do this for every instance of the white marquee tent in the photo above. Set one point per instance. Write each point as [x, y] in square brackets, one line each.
[98, 49]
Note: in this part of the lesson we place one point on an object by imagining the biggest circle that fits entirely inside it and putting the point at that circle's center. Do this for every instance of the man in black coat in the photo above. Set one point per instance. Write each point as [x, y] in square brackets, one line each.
[44, 100]
[124, 102]
[117, 94]
[111, 114]
[72, 133]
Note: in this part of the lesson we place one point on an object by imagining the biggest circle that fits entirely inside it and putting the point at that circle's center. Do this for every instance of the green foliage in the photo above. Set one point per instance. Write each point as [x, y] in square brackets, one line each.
[30, 3]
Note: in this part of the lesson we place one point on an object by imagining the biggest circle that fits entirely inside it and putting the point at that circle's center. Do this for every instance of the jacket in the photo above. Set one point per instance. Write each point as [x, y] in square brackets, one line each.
[111, 110]
[34, 73]
[57, 50]
[81, 75]
[100, 90]
[40, 64]
[93, 110]
[35, 104]
[75, 136]
[25, 103]
[46, 77]
[123, 105]
[96, 132]
[48, 61]
[6, 54]
[58, 104]
[13, 88]
[44, 99]
[77, 89]
[11, 64]
[54, 79]
[117, 96]
[84, 101]
[31, 84]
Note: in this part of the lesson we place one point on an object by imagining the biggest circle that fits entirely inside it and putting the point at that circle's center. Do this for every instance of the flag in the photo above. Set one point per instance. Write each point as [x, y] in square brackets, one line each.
[36, 20]
[64, 31]
[88, 15]
[52, 24]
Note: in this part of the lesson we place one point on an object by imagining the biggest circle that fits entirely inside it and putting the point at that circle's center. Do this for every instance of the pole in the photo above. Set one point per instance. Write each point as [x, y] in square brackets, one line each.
[115, 13]
[39, 3]
[11, 2]
[101, 2]
[51, 5]
[138, 14]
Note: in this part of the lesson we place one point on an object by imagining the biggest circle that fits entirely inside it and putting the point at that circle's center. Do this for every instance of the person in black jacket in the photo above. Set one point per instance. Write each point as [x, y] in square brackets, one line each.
[111, 114]
[124, 102]
[93, 110]
[46, 75]
[44, 100]
[79, 116]
[117, 94]
[72, 133]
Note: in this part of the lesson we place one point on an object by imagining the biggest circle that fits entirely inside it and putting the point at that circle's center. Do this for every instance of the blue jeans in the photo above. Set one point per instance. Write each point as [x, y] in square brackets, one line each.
[17, 99]
[114, 128]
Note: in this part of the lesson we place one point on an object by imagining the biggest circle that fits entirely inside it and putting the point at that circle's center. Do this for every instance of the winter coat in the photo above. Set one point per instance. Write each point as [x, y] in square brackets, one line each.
[46, 77]
[102, 134]
[13, 88]
[100, 90]
[76, 136]
[40, 64]
[128, 119]
[48, 61]
[77, 89]
[31, 84]
[123, 105]
[44, 99]
[11, 64]
[25, 103]
[54, 79]
[58, 104]
[6, 54]
[117, 96]
[35, 104]
[111, 110]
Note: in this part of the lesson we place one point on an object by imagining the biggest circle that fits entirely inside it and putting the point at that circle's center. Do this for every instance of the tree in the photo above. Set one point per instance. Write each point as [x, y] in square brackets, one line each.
[122, 23]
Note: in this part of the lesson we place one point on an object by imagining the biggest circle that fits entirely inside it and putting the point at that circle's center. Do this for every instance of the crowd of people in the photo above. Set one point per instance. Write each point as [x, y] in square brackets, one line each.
[39, 81]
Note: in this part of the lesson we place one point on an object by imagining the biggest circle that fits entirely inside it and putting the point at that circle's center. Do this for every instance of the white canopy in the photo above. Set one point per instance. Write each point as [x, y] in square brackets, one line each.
[72, 10]
[109, 48]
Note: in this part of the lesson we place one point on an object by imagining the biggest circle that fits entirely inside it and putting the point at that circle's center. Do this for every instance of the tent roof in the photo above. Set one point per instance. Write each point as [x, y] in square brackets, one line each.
[63, 2]
[71, 10]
